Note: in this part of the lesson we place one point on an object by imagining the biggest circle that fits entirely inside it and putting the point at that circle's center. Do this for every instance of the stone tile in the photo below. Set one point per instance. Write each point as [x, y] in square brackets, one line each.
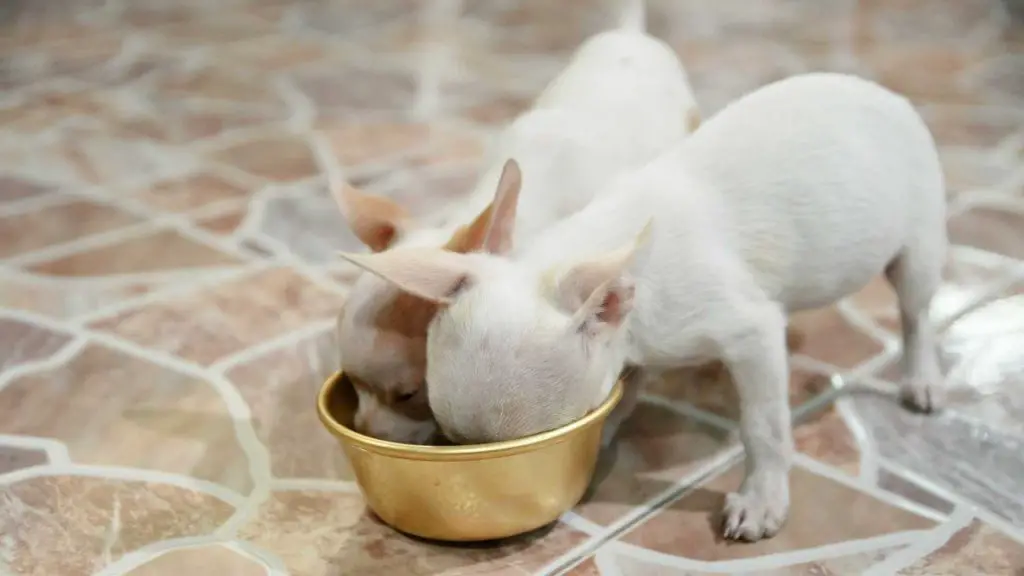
[588, 567]
[732, 20]
[192, 191]
[68, 298]
[22, 342]
[204, 560]
[210, 323]
[497, 110]
[535, 26]
[61, 524]
[47, 108]
[358, 88]
[990, 228]
[1001, 78]
[920, 21]
[159, 250]
[14, 188]
[59, 224]
[750, 65]
[94, 156]
[113, 409]
[280, 387]
[278, 157]
[924, 72]
[970, 170]
[350, 17]
[218, 84]
[976, 549]
[979, 462]
[656, 448]
[275, 53]
[964, 283]
[325, 533]
[829, 338]
[224, 223]
[690, 526]
[711, 389]
[972, 126]
[205, 31]
[12, 458]
[358, 143]
[309, 226]
[893, 482]
[824, 436]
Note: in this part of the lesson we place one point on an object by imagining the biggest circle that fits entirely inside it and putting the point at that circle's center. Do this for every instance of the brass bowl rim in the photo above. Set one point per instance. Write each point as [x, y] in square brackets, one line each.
[463, 452]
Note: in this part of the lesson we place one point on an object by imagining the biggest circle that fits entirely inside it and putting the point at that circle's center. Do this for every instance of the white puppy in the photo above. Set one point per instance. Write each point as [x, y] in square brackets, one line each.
[790, 198]
[623, 99]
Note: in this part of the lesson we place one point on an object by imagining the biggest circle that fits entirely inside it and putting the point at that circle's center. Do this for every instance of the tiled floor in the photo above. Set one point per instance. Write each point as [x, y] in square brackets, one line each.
[168, 283]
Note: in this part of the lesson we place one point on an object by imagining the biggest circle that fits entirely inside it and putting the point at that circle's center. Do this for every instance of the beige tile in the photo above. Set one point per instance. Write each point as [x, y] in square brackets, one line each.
[59, 224]
[211, 323]
[976, 549]
[328, 533]
[204, 560]
[61, 523]
[829, 338]
[690, 526]
[161, 250]
[656, 449]
[192, 191]
[22, 341]
[113, 409]
[15, 188]
[712, 390]
[280, 157]
[999, 231]
[12, 459]
[824, 436]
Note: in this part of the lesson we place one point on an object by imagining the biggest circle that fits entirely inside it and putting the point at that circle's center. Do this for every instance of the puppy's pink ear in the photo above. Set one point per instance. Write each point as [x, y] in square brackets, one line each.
[377, 221]
[430, 273]
[492, 230]
[600, 291]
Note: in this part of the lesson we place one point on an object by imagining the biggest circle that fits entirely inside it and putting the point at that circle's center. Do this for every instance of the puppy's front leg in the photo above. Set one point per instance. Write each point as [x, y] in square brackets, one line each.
[755, 353]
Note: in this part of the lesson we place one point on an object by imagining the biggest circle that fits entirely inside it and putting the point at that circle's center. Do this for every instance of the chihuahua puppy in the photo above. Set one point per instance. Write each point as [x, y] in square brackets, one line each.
[623, 99]
[791, 198]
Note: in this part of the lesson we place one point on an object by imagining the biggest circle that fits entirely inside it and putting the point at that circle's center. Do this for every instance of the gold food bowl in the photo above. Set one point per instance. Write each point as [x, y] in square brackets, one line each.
[471, 492]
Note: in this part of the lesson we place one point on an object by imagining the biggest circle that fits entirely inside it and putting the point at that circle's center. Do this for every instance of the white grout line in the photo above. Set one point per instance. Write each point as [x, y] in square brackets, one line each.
[577, 522]
[826, 471]
[34, 203]
[125, 474]
[772, 561]
[56, 451]
[606, 565]
[313, 484]
[110, 281]
[225, 365]
[270, 562]
[256, 452]
[709, 468]
[929, 542]
[863, 438]
[141, 556]
[54, 361]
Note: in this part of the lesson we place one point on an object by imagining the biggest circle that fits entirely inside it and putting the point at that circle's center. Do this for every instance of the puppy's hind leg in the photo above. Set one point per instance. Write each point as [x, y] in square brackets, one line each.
[915, 274]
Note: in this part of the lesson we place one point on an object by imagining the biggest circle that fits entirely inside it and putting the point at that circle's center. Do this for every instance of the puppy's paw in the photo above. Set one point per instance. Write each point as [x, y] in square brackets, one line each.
[925, 395]
[753, 514]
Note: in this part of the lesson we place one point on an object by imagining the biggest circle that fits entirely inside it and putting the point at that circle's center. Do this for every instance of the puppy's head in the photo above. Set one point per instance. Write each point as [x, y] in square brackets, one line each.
[382, 329]
[511, 353]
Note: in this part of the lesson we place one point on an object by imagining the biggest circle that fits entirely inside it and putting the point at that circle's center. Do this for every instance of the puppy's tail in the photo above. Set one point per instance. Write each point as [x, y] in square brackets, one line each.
[633, 15]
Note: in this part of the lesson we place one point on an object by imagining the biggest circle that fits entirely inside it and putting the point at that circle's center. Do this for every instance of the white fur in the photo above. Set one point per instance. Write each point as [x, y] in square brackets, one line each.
[623, 99]
[791, 198]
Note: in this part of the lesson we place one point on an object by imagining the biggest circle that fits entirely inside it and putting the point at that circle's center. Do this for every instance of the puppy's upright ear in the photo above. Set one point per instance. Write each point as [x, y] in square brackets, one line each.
[377, 221]
[600, 291]
[493, 229]
[429, 273]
